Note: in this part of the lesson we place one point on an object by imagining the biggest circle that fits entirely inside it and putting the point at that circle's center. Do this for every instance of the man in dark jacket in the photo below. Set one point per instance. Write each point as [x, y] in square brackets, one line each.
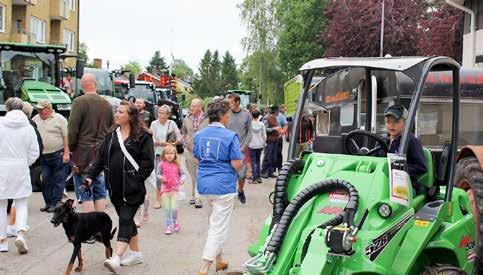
[273, 132]
[395, 119]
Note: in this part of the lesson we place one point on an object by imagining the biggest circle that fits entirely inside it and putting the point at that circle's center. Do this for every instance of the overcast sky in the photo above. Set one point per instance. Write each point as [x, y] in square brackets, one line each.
[120, 31]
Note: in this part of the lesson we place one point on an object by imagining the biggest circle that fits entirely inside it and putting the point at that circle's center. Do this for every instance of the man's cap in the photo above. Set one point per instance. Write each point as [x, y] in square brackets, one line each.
[42, 104]
[396, 111]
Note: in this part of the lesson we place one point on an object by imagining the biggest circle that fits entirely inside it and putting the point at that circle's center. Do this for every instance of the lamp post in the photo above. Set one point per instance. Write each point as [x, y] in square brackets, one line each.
[381, 49]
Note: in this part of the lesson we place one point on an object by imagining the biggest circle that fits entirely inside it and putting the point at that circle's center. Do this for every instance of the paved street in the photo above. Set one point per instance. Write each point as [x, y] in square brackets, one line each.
[175, 254]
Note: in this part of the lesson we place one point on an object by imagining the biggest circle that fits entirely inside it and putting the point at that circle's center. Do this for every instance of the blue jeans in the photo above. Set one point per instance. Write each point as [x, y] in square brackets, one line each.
[54, 173]
[270, 157]
[97, 190]
[255, 162]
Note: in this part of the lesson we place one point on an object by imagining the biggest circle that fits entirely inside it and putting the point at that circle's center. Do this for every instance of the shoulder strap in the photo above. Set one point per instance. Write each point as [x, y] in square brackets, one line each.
[123, 149]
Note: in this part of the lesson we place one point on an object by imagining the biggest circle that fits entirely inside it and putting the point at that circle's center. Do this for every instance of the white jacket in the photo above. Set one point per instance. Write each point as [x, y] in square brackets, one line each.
[19, 149]
[259, 135]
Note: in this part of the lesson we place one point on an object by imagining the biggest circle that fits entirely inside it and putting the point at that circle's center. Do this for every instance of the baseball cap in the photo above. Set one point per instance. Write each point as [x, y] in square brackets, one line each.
[42, 104]
[396, 111]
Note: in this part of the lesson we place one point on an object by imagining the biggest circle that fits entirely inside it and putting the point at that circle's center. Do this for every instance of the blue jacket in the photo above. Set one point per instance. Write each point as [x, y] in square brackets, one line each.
[416, 162]
[215, 147]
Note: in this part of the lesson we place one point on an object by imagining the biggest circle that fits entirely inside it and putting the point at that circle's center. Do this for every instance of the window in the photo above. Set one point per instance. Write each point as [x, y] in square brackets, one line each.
[2, 18]
[72, 5]
[69, 40]
[347, 114]
[37, 28]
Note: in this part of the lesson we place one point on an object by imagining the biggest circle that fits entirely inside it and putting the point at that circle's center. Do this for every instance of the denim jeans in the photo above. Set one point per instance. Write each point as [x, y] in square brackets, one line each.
[54, 173]
[270, 157]
[255, 162]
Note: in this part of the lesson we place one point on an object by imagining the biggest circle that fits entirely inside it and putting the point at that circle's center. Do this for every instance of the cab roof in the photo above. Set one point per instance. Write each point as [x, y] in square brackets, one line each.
[384, 63]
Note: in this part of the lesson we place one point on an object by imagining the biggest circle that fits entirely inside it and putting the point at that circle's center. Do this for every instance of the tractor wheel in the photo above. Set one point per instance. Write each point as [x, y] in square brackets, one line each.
[442, 269]
[469, 177]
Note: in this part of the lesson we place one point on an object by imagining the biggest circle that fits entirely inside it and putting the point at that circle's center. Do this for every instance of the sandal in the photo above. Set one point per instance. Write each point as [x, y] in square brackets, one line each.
[198, 203]
[193, 201]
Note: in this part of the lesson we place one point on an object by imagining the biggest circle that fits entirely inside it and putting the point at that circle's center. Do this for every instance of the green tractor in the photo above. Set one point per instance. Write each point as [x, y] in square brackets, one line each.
[350, 210]
[32, 72]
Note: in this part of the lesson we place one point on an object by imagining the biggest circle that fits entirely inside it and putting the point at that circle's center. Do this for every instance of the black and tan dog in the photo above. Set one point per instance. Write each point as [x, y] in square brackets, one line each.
[79, 227]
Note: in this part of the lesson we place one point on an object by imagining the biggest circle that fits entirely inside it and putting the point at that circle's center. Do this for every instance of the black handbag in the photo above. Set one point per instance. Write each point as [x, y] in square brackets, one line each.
[171, 137]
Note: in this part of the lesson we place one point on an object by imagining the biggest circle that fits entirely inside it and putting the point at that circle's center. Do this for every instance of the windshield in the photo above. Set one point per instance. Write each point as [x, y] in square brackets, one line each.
[17, 66]
[142, 91]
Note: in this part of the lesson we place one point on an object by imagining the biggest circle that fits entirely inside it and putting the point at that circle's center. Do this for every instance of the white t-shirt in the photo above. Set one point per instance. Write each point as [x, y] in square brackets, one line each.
[159, 134]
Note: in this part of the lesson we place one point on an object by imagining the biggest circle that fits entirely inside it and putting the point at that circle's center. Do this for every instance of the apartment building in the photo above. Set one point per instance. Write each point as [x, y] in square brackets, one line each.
[52, 22]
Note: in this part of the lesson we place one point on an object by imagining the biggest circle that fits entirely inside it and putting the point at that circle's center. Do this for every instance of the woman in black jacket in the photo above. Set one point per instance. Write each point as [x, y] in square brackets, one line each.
[125, 183]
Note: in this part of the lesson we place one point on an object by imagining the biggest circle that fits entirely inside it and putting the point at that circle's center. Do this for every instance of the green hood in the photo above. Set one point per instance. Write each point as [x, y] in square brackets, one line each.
[33, 91]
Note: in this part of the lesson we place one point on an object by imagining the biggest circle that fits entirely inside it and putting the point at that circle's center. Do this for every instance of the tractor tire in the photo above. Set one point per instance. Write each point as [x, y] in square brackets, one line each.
[469, 177]
[442, 269]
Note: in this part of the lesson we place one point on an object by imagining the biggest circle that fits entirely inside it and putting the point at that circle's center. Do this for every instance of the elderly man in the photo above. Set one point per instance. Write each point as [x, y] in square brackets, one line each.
[90, 119]
[56, 153]
[18, 150]
[240, 123]
[193, 122]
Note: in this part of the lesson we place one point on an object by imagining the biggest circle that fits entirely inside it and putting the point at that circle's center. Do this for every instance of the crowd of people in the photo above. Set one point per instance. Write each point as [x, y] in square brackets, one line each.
[126, 156]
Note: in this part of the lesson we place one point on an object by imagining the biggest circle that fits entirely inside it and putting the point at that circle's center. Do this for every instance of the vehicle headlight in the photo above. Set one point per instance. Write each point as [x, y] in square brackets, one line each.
[384, 210]
[63, 107]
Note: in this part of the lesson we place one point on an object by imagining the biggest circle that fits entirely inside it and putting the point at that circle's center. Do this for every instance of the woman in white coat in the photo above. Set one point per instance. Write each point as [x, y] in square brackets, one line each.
[18, 150]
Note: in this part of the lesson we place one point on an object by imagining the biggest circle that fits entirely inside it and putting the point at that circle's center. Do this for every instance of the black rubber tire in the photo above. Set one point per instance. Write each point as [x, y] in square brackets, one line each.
[469, 177]
[442, 269]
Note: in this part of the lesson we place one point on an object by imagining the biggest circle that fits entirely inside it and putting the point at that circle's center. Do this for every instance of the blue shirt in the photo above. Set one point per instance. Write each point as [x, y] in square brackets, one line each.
[215, 147]
[281, 119]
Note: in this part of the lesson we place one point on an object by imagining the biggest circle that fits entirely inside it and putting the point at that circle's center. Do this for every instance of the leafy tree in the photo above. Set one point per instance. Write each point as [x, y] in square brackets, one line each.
[298, 38]
[441, 32]
[229, 75]
[354, 27]
[133, 66]
[182, 70]
[215, 73]
[157, 65]
[83, 52]
[202, 82]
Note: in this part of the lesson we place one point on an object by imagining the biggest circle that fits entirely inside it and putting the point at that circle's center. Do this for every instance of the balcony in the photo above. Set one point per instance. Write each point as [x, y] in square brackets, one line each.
[59, 10]
[24, 2]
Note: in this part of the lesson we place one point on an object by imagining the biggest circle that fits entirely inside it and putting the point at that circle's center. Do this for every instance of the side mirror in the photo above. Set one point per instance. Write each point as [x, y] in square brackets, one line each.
[132, 80]
[79, 68]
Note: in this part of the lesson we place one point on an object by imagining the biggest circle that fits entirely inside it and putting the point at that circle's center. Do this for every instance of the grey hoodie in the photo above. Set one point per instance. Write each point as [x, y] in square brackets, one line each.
[259, 135]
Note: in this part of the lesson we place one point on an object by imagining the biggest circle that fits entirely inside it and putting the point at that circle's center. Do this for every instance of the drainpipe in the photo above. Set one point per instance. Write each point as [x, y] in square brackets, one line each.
[472, 28]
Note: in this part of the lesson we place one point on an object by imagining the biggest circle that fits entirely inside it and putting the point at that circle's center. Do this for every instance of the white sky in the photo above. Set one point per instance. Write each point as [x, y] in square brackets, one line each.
[119, 30]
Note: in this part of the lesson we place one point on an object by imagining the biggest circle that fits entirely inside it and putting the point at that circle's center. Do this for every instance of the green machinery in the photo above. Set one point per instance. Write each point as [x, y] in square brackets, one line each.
[32, 72]
[336, 213]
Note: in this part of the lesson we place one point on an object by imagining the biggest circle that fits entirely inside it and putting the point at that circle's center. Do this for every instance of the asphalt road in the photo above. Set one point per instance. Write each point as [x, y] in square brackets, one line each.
[175, 254]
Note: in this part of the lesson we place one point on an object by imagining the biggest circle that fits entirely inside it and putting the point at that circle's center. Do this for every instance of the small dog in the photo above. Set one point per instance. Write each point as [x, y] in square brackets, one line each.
[79, 227]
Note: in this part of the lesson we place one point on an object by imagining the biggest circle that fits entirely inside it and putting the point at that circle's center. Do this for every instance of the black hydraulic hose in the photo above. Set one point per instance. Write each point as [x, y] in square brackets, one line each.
[306, 194]
[280, 199]
[332, 222]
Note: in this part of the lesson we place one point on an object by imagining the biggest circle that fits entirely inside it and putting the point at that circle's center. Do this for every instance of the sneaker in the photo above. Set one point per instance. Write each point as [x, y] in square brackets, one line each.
[192, 201]
[259, 180]
[264, 175]
[43, 209]
[51, 209]
[132, 258]
[4, 246]
[168, 231]
[11, 231]
[198, 203]
[21, 245]
[241, 197]
[113, 264]
[176, 227]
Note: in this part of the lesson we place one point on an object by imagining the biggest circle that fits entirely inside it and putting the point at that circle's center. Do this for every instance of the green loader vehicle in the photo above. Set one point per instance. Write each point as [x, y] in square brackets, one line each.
[350, 207]
[32, 72]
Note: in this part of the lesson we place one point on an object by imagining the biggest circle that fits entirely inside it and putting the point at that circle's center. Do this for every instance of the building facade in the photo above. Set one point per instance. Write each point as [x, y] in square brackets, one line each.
[53, 22]
[470, 57]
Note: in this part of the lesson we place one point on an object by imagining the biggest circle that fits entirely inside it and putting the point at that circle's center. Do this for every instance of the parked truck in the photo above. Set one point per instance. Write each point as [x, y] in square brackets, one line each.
[32, 72]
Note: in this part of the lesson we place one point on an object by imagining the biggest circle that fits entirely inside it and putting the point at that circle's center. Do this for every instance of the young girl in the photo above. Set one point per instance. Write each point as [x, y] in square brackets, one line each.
[171, 176]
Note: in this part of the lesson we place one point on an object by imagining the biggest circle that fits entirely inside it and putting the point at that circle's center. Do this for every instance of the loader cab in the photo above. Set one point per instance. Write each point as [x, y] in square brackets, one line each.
[353, 93]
